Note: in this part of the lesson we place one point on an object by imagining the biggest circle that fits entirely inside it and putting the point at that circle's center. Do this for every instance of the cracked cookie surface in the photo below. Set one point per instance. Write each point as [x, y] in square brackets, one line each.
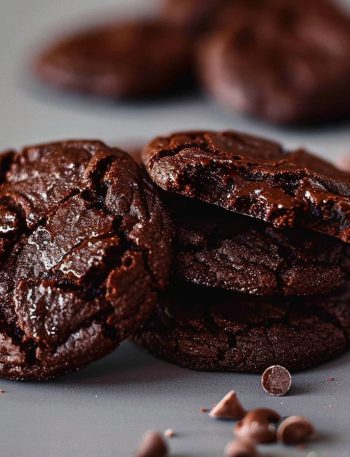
[85, 246]
[255, 177]
[119, 60]
[216, 330]
[220, 249]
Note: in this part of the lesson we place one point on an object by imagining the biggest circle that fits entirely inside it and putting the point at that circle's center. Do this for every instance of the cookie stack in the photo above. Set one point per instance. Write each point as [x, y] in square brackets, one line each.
[234, 258]
[261, 270]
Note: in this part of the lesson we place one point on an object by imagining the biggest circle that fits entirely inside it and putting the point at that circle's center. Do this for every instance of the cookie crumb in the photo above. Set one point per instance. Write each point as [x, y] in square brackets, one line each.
[228, 408]
[169, 433]
[330, 379]
[2, 391]
[204, 410]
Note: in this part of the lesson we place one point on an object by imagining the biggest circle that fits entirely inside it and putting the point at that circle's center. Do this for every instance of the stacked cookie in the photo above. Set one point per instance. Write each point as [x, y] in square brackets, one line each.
[234, 258]
[287, 61]
[261, 270]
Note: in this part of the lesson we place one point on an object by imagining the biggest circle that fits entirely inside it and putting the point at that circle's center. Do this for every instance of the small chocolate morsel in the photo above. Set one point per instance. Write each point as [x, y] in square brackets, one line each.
[241, 448]
[258, 425]
[295, 430]
[152, 445]
[343, 162]
[228, 408]
[276, 380]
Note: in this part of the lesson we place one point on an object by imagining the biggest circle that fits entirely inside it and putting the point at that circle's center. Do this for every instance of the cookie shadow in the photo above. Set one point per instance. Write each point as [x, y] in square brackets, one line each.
[129, 364]
[75, 100]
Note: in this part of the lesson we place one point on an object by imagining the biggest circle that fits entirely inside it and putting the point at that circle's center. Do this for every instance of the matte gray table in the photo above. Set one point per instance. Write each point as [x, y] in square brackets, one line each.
[103, 410]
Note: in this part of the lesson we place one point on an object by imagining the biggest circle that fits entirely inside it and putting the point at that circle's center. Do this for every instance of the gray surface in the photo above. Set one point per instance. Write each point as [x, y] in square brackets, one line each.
[103, 411]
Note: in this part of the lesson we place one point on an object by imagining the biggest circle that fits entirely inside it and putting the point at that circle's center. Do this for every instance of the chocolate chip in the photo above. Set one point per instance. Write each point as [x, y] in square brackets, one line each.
[152, 445]
[295, 430]
[276, 380]
[241, 448]
[228, 408]
[343, 162]
[258, 425]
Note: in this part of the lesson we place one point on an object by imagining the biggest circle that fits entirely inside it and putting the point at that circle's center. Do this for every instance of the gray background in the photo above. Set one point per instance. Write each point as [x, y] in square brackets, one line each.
[104, 410]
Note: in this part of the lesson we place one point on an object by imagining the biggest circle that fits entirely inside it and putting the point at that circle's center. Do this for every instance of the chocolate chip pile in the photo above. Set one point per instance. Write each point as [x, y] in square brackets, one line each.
[258, 426]
[287, 61]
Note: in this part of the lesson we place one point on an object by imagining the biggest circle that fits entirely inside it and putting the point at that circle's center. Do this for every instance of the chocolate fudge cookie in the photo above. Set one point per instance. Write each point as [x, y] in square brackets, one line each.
[84, 246]
[193, 16]
[255, 177]
[133, 59]
[219, 249]
[210, 329]
[287, 61]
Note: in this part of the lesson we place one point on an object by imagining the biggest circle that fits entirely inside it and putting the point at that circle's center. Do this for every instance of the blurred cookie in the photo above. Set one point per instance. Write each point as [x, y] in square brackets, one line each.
[122, 60]
[193, 16]
[287, 61]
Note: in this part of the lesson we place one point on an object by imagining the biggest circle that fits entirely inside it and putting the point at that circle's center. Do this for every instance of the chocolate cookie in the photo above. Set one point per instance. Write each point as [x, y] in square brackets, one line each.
[219, 249]
[84, 246]
[255, 177]
[210, 329]
[193, 16]
[133, 59]
[287, 61]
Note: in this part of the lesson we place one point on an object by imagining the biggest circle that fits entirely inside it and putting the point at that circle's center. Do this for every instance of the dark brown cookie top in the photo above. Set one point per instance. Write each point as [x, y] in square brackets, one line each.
[193, 16]
[122, 59]
[216, 248]
[255, 177]
[286, 61]
[212, 329]
[85, 246]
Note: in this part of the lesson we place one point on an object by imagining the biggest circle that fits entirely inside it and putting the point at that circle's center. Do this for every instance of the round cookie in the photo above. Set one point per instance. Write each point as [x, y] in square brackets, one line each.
[216, 248]
[85, 246]
[122, 60]
[255, 177]
[285, 61]
[215, 330]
